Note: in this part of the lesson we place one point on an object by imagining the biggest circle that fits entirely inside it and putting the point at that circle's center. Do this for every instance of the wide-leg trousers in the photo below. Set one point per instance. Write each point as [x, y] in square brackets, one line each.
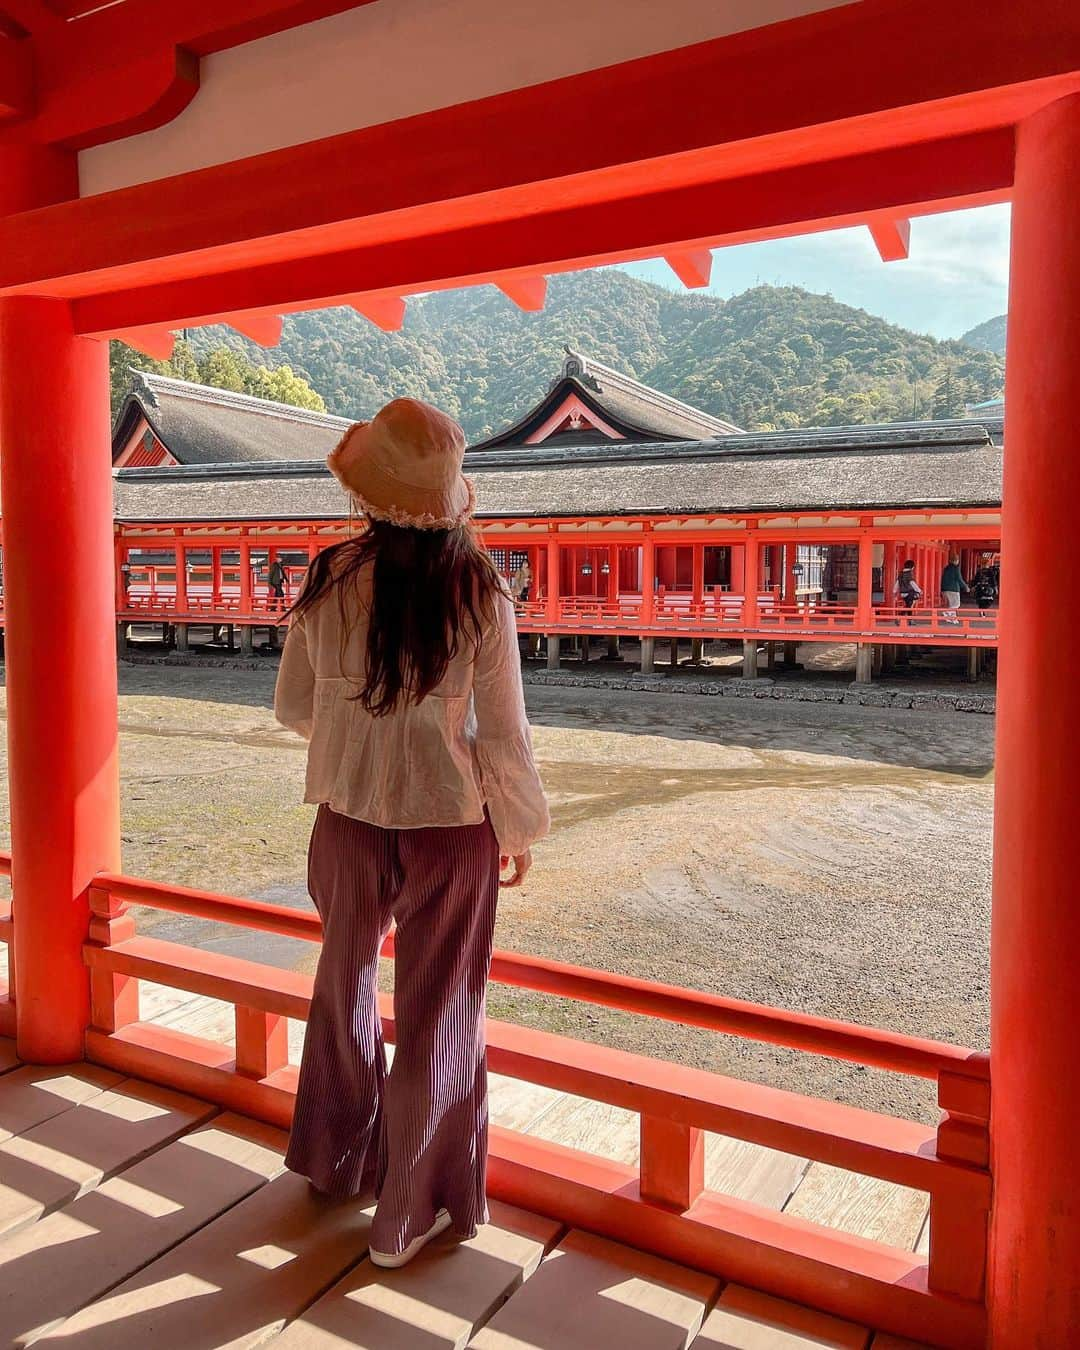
[415, 1137]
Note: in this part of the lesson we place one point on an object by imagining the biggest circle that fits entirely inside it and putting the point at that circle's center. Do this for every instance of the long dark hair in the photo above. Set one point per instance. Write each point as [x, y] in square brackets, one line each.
[431, 591]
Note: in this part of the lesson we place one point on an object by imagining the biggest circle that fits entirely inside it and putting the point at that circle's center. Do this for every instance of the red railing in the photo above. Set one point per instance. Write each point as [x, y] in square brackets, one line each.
[662, 1204]
[724, 615]
[151, 596]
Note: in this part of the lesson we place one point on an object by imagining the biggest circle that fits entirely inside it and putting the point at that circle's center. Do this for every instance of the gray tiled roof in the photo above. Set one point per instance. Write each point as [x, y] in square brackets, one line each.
[638, 412]
[948, 464]
[200, 425]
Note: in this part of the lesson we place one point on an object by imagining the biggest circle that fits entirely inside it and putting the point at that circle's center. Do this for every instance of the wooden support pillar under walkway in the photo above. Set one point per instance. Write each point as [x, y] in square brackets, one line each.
[864, 663]
[648, 655]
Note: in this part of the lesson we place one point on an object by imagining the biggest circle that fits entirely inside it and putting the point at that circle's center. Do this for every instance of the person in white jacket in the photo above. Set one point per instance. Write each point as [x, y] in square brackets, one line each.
[401, 669]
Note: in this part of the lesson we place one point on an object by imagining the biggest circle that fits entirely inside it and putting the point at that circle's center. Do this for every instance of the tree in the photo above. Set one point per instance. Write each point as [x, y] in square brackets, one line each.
[950, 392]
[225, 369]
[220, 367]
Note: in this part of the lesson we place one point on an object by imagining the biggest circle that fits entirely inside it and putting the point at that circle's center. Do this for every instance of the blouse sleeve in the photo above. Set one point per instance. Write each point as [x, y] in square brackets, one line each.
[512, 788]
[294, 694]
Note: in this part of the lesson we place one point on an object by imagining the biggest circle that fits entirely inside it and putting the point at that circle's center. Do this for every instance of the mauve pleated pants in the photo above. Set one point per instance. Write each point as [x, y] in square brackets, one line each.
[416, 1137]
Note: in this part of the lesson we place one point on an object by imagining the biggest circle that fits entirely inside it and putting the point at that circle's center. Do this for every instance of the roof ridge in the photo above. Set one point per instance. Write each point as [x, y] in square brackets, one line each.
[630, 382]
[231, 398]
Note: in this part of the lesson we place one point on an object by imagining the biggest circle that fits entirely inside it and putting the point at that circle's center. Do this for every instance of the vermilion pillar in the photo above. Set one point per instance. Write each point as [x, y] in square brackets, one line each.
[1034, 1272]
[61, 659]
[864, 608]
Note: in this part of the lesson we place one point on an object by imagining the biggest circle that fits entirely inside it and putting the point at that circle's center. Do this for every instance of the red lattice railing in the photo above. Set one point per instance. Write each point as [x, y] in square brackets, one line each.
[662, 1204]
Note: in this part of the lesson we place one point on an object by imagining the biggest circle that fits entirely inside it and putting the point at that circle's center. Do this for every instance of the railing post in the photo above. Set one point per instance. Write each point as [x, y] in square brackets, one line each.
[672, 1162]
[958, 1233]
[215, 577]
[180, 595]
[114, 999]
[698, 573]
[245, 577]
[648, 579]
[262, 1042]
[551, 612]
[864, 604]
[751, 579]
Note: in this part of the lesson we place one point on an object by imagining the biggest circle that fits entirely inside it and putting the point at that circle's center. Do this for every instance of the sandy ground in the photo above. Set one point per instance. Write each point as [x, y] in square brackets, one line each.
[828, 858]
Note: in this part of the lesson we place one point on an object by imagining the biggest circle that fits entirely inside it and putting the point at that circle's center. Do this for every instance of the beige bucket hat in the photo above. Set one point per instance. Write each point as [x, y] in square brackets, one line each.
[404, 467]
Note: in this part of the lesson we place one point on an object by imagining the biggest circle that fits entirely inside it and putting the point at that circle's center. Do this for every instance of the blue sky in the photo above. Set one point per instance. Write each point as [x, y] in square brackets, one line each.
[957, 274]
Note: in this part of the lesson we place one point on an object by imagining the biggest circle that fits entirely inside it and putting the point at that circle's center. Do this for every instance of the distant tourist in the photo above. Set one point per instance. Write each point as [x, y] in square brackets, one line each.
[521, 582]
[275, 579]
[907, 588]
[396, 636]
[953, 586]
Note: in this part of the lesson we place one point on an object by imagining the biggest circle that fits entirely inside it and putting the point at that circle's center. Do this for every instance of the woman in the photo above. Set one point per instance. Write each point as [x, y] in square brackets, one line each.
[401, 668]
[521, 582]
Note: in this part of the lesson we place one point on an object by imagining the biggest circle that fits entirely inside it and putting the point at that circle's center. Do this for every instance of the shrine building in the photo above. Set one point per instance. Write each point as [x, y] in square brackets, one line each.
[638, 516]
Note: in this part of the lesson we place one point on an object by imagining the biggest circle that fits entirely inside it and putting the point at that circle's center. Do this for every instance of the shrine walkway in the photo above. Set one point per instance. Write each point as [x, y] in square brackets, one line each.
[133, 1215]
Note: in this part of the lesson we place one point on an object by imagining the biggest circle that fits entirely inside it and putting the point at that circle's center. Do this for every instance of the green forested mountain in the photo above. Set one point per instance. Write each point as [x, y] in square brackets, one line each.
[988, 336]
[771, 357]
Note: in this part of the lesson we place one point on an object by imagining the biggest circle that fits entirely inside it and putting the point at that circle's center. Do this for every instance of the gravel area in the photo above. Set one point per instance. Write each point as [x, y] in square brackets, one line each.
[820, 856]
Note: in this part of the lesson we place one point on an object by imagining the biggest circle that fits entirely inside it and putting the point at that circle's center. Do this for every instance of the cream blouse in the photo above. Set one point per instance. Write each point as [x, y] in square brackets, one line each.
[439, 762]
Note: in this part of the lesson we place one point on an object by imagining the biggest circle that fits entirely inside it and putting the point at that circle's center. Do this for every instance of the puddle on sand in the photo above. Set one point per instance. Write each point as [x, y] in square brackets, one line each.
[619, 787]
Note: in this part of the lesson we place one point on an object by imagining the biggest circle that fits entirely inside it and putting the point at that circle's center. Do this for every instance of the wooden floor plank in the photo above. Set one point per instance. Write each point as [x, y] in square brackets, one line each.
[235, 1282]
[878, 1210]
[51, 1269]
[209, 1018]
[745, 1319]
[434, 1303]
[592, 1127]
[592, 1294]
[69, 1154]
[515, 1104]
[750, 1172]
[8, 1058]
[157, 999]
[35, 1093]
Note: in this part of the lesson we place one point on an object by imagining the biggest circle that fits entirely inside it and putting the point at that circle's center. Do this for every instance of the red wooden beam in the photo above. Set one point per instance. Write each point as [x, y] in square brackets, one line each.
[265, 329]
[155, 342]
[29, 16]
[528, 293]
[816, 88]
[16, 77]
[693, 268]
[912, 180]
[892, 237]
[385, 311]
[105, 71]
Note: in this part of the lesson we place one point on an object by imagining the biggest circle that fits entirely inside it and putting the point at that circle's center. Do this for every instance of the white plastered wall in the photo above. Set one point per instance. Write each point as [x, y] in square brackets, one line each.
[395, 58]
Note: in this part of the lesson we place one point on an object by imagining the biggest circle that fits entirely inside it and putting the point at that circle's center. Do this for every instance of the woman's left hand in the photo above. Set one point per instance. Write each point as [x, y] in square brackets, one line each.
[522, 862]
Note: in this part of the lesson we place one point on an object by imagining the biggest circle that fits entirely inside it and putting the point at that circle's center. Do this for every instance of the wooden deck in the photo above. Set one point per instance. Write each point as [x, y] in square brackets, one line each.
[134, 1216]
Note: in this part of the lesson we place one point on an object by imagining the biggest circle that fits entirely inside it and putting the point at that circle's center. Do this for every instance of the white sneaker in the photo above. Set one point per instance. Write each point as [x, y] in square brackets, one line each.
[391, 1260]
